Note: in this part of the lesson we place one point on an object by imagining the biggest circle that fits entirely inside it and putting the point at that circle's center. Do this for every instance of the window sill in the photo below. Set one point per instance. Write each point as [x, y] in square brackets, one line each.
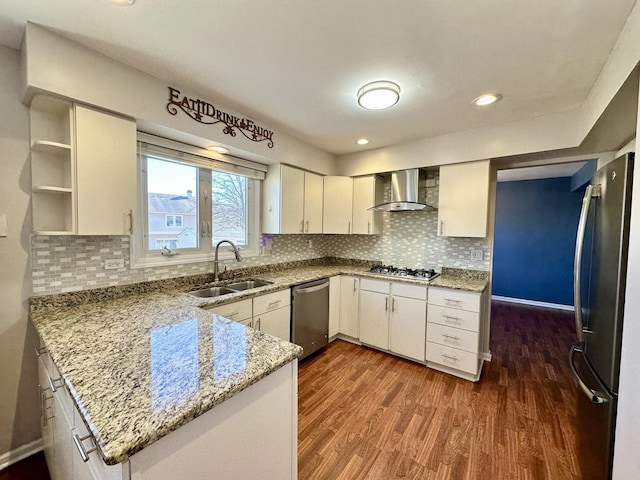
[158, 260]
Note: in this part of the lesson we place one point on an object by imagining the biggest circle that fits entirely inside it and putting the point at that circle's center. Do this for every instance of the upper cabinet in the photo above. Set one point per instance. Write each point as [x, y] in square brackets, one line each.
[292, 201]
[83, 170]
[367, 192]
[338, 205]
[105, 172]
[463, 202]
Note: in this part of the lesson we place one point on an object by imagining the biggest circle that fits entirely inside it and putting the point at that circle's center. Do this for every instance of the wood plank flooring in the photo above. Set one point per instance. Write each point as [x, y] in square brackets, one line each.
[31, 468]
[364, 414]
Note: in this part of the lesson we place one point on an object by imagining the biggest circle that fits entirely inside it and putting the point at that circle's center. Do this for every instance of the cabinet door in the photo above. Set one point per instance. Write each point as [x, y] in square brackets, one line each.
[291, 200]
[463, 200]
[276, 323]
[105, 173]
[337, 205]
[334, 306]
[367, 192]
[349, 306]
[313, 193]
[408, 327]
[374, 319]
[46, 414]
[62, 444]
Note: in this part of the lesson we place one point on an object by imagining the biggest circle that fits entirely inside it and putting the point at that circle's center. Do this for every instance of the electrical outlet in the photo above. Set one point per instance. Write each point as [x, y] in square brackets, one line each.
[476, 254]
[114, 263]
[310, 243]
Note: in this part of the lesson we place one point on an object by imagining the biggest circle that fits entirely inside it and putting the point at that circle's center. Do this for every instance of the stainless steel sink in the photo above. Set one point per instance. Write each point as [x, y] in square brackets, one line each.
[212, 292]
[247, 284]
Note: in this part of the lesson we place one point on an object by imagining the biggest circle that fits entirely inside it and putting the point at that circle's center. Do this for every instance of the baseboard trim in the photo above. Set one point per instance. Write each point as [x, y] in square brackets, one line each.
[533, 303]
[20, 453]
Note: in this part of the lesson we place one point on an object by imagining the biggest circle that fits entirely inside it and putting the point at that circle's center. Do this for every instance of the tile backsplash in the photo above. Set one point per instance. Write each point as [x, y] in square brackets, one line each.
[409, 239]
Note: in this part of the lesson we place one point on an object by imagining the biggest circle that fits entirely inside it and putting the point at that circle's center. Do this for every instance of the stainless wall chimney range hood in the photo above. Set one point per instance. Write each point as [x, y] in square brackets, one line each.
[404, 193]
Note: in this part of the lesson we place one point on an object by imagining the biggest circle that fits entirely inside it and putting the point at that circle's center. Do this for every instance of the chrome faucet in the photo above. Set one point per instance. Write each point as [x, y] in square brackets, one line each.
[216, 266]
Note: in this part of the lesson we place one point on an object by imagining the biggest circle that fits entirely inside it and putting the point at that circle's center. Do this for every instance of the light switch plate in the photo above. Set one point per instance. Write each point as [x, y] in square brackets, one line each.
[476, 254]
[113, 263]
[4, 227]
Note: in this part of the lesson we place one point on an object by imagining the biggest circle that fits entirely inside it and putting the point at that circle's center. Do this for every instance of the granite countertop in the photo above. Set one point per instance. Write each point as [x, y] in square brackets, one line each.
[114, 350]
[142, 366]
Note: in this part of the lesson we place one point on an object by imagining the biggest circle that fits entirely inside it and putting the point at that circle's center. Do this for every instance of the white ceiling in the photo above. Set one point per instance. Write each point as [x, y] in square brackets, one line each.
[540, 172]
[297, 64]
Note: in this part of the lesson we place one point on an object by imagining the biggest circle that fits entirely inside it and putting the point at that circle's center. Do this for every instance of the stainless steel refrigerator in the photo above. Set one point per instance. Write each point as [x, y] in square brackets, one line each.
[600, 270]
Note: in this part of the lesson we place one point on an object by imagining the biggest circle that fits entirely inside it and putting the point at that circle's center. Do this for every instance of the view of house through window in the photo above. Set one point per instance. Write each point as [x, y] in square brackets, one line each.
[174, 192]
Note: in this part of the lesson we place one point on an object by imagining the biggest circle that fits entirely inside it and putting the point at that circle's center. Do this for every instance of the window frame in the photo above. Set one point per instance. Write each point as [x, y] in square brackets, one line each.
[140, 254]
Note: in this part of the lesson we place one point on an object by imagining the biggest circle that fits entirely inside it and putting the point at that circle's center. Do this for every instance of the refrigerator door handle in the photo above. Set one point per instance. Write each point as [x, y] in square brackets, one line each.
[595, 397]
[590, 192]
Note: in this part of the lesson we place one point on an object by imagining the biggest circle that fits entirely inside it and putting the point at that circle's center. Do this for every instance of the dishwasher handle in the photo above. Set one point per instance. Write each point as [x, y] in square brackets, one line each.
[315, 288]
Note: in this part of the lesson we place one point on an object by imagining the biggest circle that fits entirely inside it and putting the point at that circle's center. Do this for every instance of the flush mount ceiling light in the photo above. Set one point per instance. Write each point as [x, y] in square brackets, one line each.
[362, 141]
[379, 95]
[122, 3]
[487, 99]
[218, 149]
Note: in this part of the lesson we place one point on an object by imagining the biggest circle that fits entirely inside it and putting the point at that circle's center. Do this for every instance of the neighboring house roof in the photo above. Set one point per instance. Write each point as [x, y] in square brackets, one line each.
[169, 203]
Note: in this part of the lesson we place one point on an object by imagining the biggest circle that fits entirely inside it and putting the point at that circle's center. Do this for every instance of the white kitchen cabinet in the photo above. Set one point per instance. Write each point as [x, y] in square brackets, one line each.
[455, 328]
[272, 314]
[374, 313]
[349, 301]
[106, 175]
[292, 201]
[46, 414]
[83, 170]
[393, 317]
[367, 192]
[334, 306]
[463, 201]
[337, 205]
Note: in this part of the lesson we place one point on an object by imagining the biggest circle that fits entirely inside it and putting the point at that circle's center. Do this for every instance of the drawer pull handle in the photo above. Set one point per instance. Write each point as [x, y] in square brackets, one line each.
[386, 304]
[41, 351]
[52, 384]
[43, 406]
[452, 300]
[232, 314]
[450, 317]
[450, 337]
[84, 454]
[257, 327]
[449, 357]
[274, 303]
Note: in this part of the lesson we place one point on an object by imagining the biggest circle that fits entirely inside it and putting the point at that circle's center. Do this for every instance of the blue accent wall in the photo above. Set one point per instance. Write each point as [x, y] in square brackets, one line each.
[535, 234]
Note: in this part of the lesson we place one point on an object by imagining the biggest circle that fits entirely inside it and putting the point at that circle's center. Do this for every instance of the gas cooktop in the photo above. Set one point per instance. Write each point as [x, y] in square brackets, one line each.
[418, 273]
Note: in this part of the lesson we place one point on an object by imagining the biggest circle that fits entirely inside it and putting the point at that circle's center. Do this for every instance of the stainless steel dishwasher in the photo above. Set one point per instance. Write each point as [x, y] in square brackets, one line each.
[310, 315]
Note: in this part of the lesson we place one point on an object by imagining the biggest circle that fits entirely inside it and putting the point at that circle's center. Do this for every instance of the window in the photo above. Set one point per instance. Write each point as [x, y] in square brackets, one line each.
[189, 203]
[173, 221]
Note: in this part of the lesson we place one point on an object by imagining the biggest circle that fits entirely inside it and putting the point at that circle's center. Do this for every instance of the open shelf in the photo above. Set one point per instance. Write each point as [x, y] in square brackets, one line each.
[51, 189]
[46, 146]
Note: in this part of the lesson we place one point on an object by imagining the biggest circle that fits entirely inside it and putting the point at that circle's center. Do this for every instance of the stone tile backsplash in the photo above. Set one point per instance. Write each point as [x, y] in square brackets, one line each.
[409, 239]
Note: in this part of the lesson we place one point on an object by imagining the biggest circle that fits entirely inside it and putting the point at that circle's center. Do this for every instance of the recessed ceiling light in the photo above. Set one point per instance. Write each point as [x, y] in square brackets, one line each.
[218, 149]
[122, 3]
[487, 99]
[378, 95]
[362, 141]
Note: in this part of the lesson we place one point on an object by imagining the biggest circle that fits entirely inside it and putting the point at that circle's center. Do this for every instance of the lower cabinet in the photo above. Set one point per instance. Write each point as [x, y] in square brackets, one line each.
[270, 313]
[334, 306]
[349, 301]
[393, 317]
[455, 331]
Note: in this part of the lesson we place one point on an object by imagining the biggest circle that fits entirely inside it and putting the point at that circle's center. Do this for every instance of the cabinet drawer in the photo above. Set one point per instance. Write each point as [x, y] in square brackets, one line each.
[234, 311]
[453, 337]
[271, 301]
[445, 297]
[379, 286]
[452, 357]
[418, 292]
[453, 317]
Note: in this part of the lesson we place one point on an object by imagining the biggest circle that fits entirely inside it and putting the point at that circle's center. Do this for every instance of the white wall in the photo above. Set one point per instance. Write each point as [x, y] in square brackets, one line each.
[19, 418]
[626, 459]
[60, 66]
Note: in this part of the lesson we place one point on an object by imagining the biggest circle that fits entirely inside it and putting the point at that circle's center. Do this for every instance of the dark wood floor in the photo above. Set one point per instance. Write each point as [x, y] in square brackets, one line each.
[31, 468]
[364, 414]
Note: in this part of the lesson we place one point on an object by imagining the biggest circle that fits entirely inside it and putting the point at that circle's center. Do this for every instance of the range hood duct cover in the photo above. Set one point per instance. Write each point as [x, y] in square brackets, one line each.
[404, 193]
